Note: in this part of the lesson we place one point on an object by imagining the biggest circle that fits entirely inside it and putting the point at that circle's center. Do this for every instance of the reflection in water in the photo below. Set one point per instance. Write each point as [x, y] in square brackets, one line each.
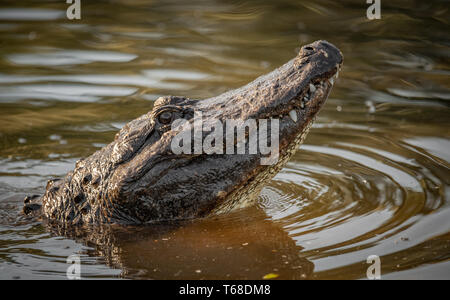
[371, 179]
[242, 245]
[30, 14]
[69, 58]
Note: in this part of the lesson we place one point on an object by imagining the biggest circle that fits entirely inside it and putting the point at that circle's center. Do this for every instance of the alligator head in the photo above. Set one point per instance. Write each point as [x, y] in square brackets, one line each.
[138, 178]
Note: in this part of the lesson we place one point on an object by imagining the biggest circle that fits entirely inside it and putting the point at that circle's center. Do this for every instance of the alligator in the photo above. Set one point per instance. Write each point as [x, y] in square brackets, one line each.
[138, 179]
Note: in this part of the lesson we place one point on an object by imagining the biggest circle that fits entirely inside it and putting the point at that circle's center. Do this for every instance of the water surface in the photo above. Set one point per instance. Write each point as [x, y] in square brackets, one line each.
[371, 179]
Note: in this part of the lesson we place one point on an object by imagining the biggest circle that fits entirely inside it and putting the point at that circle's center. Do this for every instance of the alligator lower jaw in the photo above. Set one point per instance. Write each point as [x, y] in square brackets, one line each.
[247, 193]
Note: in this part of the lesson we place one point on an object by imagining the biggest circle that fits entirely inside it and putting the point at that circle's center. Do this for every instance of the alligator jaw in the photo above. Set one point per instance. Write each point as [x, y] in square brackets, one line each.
[296, 118]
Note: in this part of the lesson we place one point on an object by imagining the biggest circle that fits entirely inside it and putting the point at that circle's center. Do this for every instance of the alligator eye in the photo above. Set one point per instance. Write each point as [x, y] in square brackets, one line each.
[165, 117]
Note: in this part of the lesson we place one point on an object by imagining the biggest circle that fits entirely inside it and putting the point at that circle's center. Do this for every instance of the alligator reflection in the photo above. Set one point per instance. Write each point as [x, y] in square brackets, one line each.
[240, 245]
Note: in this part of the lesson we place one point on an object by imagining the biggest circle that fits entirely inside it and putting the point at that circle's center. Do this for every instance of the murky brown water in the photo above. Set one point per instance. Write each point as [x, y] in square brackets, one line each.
[372, 178]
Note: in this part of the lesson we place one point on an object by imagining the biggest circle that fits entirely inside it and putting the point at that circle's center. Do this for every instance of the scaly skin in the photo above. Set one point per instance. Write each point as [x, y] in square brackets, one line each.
[137, 179]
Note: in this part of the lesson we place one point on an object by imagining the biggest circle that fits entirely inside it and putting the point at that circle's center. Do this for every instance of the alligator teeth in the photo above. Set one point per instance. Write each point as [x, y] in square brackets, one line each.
[302, 105]
[312, 88]
[337, 74]
[332, 81]
[293, 115]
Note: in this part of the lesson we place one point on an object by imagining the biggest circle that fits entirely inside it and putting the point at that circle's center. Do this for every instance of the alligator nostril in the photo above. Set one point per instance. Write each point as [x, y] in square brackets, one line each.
[306, 51]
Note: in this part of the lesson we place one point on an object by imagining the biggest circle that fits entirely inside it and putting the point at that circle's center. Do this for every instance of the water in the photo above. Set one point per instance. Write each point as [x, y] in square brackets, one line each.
[371, 179]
